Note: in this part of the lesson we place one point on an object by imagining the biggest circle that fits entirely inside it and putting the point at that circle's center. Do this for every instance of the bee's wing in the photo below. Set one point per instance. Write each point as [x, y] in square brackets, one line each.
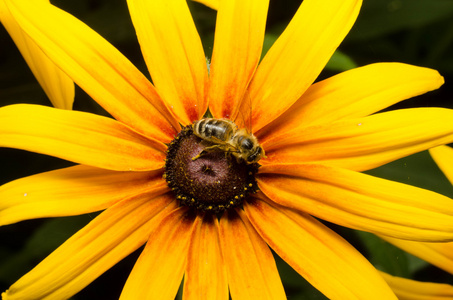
[217, 140]
[228, 147]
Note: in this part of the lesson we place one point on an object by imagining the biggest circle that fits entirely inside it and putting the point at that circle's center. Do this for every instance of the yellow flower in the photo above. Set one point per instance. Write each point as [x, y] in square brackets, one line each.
[56, 84]
[438, 254]
[406, 289]
[443, 156]
[317, 137]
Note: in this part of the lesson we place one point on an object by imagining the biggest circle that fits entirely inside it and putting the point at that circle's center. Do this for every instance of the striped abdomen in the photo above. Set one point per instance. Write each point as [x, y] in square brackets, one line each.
[214, 130]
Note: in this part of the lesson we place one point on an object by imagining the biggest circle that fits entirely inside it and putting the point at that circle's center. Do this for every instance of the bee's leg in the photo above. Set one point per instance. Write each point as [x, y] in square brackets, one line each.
[199, 155]
[206, 150]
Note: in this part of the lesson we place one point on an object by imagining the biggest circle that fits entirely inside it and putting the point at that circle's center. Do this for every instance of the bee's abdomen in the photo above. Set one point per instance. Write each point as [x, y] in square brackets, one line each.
[211, 129]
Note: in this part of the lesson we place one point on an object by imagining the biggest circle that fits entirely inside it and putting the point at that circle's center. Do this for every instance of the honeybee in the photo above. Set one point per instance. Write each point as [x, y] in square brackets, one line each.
[226, 136]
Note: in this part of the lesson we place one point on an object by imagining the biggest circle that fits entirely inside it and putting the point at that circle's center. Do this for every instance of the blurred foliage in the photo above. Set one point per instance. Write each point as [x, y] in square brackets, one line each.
[381, 18]
[43, 241]
[418, 32]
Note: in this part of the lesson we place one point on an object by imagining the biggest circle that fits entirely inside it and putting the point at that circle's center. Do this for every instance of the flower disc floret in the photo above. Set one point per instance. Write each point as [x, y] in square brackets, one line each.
[214, 181]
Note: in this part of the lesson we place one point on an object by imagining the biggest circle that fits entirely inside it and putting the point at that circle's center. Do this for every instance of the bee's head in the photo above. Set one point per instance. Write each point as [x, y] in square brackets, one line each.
[255, 155]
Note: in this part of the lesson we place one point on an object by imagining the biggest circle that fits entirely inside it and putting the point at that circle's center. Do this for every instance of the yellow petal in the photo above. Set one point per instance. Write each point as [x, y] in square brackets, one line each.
[252, 273]
[438, 254]
[205, 276]
[56, 84]
[321, 256]
[443, 156]
[298, 56]
[158, 272]
[353, 94]
[214, 4]
[238, 42]
[364, 143]
[173, 52]
[97, 67]
[407, 289]
[360, 201]
[71, 191]
[79, 137]
[106, 240]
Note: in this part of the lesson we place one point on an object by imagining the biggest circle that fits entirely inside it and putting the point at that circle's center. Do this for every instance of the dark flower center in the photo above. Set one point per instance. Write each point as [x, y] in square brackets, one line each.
[213, 181]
